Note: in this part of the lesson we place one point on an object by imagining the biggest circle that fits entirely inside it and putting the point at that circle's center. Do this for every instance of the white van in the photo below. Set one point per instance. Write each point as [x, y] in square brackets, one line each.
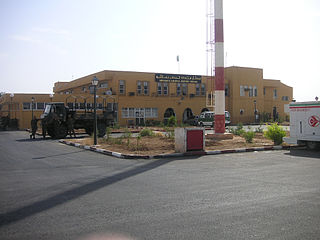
[207, 118]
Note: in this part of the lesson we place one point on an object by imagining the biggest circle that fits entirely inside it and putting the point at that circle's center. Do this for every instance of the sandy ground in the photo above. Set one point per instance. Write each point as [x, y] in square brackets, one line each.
[160, 145]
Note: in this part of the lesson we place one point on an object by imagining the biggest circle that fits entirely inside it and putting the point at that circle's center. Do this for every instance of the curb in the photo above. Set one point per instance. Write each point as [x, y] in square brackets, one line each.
[171, 155]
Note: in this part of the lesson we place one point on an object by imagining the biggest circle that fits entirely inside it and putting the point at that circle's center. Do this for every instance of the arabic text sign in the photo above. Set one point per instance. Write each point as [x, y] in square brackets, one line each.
[176, 78]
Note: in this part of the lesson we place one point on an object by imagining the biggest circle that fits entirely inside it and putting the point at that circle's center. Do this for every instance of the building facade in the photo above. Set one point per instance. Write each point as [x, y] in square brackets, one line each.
[140, 98]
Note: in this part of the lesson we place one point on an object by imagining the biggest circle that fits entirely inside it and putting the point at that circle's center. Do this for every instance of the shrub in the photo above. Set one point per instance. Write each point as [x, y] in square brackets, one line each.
[169, 133]
[248, 136]
[152, 122]
[239, 130]
[275, 133]
[127, 134]
[259, 129]
[146, 132]
[172, 121]
[108, 132]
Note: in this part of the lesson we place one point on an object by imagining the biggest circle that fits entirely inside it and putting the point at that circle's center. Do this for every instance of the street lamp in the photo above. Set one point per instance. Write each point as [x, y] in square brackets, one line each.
[51, 96]
[32, 101]
[95, 82]
[255, 110]
[10, 106]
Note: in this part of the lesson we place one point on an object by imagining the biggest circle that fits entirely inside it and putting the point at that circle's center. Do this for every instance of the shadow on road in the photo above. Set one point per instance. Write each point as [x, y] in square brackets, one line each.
[304, 152]
[58, 155]
[44, 139]
[64, 197]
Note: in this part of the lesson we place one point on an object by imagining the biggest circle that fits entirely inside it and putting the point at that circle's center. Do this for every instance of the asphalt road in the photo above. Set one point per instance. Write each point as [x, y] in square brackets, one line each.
[53, 191]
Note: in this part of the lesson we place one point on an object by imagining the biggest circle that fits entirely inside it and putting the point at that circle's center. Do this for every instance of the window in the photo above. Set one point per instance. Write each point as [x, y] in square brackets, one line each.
[203, 89]
[89, 105]
[103, 85]
[184, 89]
[91, 89]
[226, 90]
[82, 105]
[285, 98]
[165, 89]
[84, 89]
[122, 87]
[154, 112]
[40, 105]
[139, 88]
[178, 89]
[70, 105]
[26, 106]
[264, 91]
[145, 88]
[159, 89]
[131, 113]
[139, 112]
[275, 93]
[197, 89]
[148, 113]
[250, 91]
[255, 91]
[125, 112]
[242, 94]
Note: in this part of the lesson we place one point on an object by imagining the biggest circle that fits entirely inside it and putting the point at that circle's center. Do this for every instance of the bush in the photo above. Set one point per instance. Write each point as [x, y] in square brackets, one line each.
[127, 134]
[151, 123]
[259, 129]
[172, 121]
[275, 133]
[239, 130]
[169, 133]
[248, 136]
[108, 132]
[146, 132]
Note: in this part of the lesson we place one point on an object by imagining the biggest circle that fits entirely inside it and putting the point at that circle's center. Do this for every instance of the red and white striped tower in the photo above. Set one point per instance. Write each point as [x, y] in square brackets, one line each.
[219, 118]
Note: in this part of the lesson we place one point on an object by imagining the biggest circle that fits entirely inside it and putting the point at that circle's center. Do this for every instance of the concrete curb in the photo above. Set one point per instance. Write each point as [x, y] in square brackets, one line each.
[171, 155]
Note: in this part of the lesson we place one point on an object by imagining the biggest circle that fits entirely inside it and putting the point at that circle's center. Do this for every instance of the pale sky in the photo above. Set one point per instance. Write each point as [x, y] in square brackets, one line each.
[45, 41]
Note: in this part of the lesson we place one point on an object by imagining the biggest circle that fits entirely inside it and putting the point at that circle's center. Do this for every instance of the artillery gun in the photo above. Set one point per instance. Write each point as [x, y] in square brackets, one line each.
[56, 115]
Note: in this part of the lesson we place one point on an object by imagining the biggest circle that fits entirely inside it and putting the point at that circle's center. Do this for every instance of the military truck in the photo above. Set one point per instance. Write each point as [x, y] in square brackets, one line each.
[55, 119]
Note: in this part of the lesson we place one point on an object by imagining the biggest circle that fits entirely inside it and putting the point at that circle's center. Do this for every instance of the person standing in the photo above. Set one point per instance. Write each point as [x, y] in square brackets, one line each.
[34, 127]
[70, 125]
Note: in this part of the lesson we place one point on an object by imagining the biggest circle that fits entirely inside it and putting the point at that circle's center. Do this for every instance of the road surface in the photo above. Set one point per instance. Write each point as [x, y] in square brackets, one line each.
[53, 191]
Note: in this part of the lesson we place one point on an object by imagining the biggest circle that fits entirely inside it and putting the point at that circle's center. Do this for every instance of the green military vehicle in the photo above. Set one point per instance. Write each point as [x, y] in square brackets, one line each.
[55, 119]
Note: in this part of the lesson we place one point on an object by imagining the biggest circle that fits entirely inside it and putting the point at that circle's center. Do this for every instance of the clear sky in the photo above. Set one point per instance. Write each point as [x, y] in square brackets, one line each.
[45, 41]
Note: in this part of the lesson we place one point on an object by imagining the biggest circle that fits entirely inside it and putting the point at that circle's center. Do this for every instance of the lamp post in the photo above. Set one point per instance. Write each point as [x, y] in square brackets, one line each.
[32, 101]
[95, 83]
[255, 110]
[10, 106]
[51, 97]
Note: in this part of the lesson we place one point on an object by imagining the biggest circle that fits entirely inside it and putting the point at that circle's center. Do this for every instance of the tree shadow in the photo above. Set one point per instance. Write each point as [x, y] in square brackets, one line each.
[69, 195]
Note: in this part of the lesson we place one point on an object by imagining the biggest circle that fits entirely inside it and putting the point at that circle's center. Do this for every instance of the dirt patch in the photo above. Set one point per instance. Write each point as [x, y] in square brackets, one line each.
[162, 145]
[237, 142]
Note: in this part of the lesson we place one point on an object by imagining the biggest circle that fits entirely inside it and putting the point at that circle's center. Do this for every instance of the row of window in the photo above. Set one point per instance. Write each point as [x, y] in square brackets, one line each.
[143, 88]
[41, 106]
[139, 112]
[253, 91]
[90, 88]
[36, 105]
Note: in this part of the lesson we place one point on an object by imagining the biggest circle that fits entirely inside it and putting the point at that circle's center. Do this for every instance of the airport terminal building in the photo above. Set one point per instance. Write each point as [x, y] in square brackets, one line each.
[140, 98]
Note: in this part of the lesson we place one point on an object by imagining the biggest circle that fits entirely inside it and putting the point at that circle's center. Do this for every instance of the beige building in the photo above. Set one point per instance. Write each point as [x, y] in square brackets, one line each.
[143, 98]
